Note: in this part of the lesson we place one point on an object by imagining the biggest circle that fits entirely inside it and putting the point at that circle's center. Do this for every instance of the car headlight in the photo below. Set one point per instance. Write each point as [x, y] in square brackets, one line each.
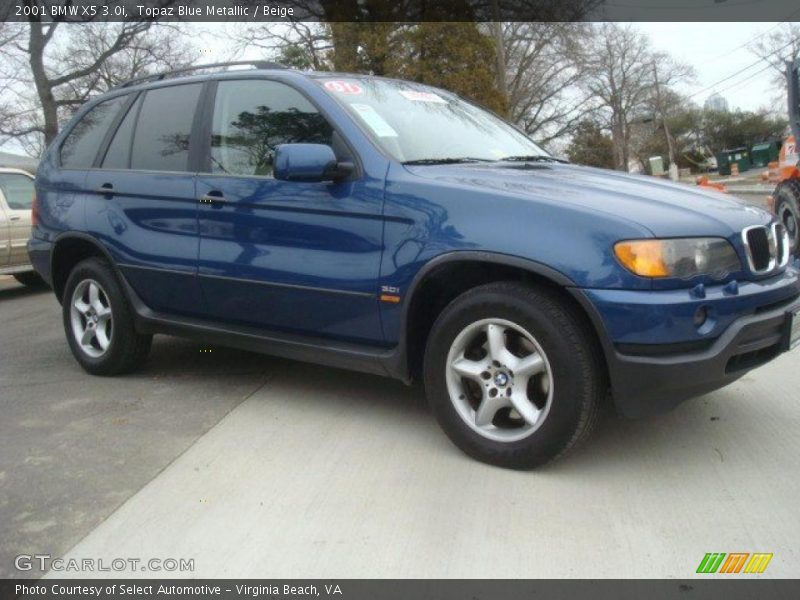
[679, 257]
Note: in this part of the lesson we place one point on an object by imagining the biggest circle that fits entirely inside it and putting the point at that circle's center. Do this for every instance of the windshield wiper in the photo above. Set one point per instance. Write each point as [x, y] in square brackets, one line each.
[446, 161]
[533, 158]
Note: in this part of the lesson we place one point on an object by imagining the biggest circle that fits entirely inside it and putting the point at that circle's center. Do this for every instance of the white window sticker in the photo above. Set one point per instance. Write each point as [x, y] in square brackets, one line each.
[422, 96]
[374, 121]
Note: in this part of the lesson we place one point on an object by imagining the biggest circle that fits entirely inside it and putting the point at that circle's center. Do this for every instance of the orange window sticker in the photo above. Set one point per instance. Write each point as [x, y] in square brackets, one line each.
[344, 87]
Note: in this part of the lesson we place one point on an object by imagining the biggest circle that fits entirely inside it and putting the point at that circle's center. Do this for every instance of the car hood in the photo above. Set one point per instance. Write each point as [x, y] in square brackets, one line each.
[667, 209]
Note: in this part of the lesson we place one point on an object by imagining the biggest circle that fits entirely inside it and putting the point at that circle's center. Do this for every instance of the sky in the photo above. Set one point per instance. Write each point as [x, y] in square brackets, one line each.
[715, 50]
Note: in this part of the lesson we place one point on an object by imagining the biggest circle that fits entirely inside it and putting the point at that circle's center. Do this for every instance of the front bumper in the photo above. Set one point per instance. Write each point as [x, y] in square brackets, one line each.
[645, 385]
[654, 365]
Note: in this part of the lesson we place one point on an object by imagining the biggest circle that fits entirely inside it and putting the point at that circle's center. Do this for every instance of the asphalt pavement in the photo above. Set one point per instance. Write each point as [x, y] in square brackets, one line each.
[253, 466]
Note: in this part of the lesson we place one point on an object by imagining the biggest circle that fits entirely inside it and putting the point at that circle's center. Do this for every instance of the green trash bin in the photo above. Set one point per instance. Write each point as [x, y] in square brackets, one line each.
[726, 158]
[764, 153]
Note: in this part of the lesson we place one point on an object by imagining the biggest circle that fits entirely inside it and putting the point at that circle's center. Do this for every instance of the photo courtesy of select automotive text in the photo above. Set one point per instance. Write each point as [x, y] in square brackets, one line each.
[399, 299]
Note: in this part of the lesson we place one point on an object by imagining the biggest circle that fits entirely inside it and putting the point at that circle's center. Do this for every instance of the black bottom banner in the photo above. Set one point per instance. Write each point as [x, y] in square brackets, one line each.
[394, 589]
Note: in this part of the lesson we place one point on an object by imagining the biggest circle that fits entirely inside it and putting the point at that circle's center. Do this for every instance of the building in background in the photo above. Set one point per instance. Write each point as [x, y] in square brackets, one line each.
[716, 102]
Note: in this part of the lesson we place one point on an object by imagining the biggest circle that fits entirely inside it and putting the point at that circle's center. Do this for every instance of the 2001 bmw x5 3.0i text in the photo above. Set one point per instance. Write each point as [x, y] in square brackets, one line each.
[397, 229]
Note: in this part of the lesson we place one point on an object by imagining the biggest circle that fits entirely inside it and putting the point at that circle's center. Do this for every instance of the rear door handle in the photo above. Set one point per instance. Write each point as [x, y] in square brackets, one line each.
[14, 218]
[106, 189]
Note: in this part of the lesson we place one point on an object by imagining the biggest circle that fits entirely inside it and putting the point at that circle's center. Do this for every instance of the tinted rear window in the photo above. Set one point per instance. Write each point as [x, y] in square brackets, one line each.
[161, 141]
[81, 145]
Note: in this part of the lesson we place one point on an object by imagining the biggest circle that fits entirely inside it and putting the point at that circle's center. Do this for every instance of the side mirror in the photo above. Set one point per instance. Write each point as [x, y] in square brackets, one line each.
[308, 162]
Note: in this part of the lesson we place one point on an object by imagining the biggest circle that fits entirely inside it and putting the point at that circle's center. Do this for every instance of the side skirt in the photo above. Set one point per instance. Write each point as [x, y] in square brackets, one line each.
[353, 357]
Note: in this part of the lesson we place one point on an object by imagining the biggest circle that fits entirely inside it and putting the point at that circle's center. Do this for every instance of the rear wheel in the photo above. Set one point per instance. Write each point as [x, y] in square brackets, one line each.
[787, 208]
[99, 322]
[30, 278]
[512, 374]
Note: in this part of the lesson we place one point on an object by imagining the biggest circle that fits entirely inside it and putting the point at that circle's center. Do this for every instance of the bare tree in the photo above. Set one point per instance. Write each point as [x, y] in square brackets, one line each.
[780, 46]
[622, 71]
[299, 44]
[545, 62]
[52, 67]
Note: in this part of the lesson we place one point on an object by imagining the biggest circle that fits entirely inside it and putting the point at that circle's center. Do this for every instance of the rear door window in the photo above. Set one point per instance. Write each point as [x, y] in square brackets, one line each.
[164, 127]
[82, 143]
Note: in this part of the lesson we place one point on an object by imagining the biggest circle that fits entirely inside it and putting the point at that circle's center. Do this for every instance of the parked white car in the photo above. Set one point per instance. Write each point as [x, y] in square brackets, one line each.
[16, 196]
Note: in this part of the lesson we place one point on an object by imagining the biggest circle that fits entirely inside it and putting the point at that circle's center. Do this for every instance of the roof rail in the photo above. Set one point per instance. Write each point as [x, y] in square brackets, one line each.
[257, 64]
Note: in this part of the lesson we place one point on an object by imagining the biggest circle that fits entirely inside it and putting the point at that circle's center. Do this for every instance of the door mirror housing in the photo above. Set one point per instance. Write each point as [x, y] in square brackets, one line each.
[309, 163]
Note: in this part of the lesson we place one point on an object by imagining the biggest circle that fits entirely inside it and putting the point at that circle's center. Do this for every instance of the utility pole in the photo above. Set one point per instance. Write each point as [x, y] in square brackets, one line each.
[499, 50]
[673, 165]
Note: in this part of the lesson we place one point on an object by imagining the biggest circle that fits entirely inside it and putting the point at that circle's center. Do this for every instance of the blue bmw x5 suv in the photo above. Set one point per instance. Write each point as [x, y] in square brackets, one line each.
[397, 229]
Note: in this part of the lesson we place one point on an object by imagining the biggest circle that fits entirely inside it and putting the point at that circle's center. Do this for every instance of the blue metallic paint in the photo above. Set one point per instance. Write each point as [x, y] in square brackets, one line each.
[149, 226]
[303, 162]
[666, 317]
[318, 245]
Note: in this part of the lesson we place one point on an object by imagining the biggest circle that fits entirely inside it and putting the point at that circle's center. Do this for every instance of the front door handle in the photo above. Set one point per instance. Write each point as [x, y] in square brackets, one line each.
[215, 198]
[14, 218]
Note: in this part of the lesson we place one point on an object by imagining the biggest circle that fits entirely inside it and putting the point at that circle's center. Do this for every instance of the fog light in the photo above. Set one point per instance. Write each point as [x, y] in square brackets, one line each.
[700, 316]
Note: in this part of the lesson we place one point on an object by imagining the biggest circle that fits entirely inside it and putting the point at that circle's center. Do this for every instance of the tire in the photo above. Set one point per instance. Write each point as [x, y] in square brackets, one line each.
[787, 209]
[30, 279]
[112, 346]
[554, 401]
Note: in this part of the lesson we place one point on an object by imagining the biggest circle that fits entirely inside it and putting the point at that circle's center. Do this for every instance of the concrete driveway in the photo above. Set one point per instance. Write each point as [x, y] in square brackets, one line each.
[259, 467]
[73, 448]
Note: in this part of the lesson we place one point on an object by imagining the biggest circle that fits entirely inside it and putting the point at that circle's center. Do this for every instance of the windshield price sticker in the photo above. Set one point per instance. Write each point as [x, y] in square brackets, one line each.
[422, 96]
[344, 87]
[374, 121]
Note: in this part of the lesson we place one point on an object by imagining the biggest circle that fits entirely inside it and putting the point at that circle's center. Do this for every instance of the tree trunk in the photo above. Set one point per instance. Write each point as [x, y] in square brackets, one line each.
[626, 146]
[618, 138]
[43, 88]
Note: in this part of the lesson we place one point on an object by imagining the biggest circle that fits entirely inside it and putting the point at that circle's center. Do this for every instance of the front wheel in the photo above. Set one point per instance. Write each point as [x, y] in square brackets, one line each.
[513, 374]
[99, 322]
[787, 209]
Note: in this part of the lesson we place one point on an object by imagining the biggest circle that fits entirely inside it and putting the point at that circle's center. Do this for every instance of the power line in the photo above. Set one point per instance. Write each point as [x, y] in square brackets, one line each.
[747, 68]
[785, 20]
[745, 80]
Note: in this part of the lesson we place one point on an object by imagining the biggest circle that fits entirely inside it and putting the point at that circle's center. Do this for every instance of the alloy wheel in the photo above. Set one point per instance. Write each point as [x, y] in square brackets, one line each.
[499, 380]
[91, 317]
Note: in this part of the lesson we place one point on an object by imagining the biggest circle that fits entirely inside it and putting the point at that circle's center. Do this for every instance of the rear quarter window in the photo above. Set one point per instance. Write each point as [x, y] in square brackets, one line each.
[81, 145]
[118, 155]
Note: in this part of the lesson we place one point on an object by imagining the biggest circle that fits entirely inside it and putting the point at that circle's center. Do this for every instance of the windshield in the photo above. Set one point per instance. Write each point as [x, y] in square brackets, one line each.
[416, 123]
